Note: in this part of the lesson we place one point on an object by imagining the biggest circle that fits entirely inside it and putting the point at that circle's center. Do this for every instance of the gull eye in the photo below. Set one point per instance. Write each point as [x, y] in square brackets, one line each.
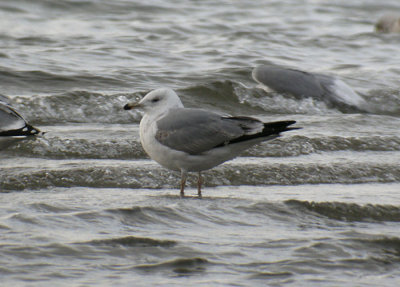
[155, 100]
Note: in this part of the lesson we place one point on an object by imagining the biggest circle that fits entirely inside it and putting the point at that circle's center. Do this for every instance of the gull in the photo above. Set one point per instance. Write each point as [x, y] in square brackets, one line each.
[193, 140]
[302, 84]
[13, 127]
[12, 123]
[388, 23]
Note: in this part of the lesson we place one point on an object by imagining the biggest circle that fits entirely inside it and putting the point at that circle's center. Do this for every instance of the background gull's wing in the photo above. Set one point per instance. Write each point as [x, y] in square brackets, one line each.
[297, 83]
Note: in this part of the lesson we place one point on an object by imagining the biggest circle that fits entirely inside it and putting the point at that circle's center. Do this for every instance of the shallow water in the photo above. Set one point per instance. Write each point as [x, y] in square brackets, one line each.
[83, 205]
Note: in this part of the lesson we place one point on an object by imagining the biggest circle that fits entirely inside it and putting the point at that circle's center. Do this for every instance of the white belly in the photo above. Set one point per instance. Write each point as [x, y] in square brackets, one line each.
[178, 160]
[158, 152]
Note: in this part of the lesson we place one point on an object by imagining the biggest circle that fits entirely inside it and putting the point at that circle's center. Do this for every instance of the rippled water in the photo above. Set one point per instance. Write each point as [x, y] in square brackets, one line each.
[83, 205]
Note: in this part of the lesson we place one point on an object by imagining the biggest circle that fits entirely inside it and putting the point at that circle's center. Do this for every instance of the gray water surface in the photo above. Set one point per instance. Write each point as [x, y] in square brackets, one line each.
[83, 205]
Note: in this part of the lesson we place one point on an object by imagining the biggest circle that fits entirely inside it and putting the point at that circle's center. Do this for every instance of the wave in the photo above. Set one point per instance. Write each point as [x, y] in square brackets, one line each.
[390, 245]
[384, 101]
[179, 265]
[146, 174]
[349, 211]
[301, 145]
[77, 107]
[146, 215]
[56, 147]
[99, 141]
[232, 97]
[90, 7]
[33, 80]
[271, 275]
[132, 241]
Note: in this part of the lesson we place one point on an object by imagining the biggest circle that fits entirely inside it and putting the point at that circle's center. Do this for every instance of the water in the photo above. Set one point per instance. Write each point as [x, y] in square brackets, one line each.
[84, 206]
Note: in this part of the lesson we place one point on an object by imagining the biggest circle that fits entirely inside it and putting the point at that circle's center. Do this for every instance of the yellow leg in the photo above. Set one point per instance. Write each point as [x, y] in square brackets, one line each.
[183, 182]
[199, 183]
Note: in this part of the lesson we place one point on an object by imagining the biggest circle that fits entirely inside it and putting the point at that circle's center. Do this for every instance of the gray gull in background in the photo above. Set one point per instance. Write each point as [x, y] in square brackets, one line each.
[302, 84]
[388, 23]
[193, 140]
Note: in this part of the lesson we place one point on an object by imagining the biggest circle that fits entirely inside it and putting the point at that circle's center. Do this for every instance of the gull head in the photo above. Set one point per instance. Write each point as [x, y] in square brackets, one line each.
[157, 100]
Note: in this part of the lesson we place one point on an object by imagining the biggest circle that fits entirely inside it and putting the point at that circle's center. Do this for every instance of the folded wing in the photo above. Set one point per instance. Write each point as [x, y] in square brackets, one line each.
[195, 131]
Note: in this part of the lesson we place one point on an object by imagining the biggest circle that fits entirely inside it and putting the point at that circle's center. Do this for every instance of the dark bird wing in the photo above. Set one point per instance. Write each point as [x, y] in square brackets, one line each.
[13, 124]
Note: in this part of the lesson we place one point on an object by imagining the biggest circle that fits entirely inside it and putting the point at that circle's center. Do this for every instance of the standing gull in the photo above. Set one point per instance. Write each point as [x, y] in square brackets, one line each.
[193, 140]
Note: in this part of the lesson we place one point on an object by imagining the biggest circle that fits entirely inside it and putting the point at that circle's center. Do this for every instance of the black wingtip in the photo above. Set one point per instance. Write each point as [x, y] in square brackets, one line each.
[34, 131]
[27, 130]
[128, 107]
[289, 123]
[271, 129]
[281, 126]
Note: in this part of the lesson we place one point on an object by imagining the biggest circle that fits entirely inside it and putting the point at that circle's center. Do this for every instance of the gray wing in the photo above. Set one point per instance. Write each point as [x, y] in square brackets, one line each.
[195, 131]
[10, 119]
[288, 81]
[13, 124]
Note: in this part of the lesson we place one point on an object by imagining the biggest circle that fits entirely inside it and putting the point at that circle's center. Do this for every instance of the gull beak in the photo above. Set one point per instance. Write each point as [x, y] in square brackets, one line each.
[130, 106]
